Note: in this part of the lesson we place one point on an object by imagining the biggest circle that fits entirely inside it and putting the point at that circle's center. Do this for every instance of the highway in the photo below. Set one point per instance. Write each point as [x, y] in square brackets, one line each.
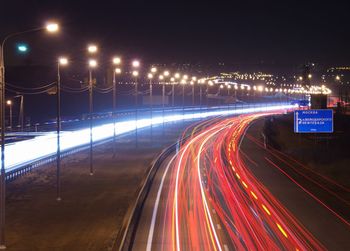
[211, 195]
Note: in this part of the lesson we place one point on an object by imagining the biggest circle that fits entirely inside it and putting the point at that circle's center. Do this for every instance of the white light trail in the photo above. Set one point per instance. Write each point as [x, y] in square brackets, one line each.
[24, 152]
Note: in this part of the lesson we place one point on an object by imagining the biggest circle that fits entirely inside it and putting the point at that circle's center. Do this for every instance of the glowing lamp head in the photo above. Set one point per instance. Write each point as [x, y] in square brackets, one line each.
[183, 82]
[172, 79]
[161, 77]
[135, 63]
[63, 61]
[309, 76]
[92, 48]
[153, 69]
[135, 73]
[118, 70]
[52, 27]
[221, 86]
[166, 73]
[150, 75]
[117, 60]
[185, 77]
[177, 75]
[9, 102]
[92, 63]
[22, 48]
[194, 78]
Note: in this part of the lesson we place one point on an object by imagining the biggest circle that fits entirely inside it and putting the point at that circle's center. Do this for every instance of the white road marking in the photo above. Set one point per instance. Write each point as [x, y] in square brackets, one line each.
[155, 208]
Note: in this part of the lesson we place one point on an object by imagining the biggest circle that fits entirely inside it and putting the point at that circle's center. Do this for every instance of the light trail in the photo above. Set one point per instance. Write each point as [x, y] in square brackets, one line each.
[208, 176]
[21, 153]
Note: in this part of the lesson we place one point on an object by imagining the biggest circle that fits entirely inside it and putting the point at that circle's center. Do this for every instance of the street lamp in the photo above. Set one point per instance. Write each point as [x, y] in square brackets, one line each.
[183, 83]
[194, 79]
[172, 80]
[9, 103]
[136, 64]
[51, 28]
[92, 65]
[92, 48]
[117, 71]
[62, 61]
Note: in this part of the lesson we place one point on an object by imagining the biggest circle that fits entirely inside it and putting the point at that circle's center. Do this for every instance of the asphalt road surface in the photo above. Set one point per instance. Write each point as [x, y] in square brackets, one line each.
[224, 191]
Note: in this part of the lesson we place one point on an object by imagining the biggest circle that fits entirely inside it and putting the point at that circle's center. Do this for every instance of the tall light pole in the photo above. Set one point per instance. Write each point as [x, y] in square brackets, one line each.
[172, 81]
[21, 112]
[92, 65]
[150, 77]
[183, 82]
[135, 74]
[52, 28]
[9, 103]
[177, 77]
[117, 71]
[200, 82]
[62, 61]
[194, 79]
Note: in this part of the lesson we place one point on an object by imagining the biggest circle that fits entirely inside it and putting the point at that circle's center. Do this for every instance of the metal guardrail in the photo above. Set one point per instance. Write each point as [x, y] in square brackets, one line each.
[18, 172]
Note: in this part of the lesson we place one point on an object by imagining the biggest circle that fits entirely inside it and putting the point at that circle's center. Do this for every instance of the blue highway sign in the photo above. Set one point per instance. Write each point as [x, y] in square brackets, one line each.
[313, 121]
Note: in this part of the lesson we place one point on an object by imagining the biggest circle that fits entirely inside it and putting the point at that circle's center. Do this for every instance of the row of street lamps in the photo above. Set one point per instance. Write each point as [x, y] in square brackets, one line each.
[51, 28]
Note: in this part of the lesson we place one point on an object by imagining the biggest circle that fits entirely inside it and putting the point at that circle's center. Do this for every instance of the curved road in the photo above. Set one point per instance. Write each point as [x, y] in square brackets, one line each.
[211, 195]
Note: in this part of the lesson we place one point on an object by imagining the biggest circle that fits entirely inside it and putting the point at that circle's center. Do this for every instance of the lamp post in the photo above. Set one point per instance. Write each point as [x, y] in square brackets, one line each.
[92, 65]
[183, 82]
[172, 80]
[116, 62]
[150, 77]
[62, 61]
[9, 103]
[51, 28]
[177, 77]
[135, 74]
[194, 79]
[21, 112]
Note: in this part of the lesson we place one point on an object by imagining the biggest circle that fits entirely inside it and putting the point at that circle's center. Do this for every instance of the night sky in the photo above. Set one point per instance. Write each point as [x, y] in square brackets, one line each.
[197, 32]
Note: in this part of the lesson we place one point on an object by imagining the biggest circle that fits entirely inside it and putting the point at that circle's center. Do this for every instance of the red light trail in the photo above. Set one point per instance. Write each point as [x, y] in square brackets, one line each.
[214, 202]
